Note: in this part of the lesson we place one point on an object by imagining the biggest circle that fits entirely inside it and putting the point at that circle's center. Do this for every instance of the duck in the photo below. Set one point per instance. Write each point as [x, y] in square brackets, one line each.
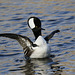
[40, 48]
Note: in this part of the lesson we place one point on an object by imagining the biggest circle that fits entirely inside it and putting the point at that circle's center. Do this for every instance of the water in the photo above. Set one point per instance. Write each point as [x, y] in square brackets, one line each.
[54, 14]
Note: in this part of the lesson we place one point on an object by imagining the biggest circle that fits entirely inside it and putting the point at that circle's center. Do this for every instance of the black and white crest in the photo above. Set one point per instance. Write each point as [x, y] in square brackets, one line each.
[34, 22]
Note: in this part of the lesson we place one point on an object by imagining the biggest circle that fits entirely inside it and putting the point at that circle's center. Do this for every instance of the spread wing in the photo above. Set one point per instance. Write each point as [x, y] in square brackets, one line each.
[51, 35]
[24, 41]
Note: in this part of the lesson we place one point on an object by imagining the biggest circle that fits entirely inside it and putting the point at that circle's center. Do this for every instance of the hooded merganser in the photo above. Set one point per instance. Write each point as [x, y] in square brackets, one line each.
[38, 49]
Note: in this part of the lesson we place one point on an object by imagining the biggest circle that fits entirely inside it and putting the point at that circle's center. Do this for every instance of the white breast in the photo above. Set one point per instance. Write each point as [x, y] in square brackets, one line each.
[42, 50]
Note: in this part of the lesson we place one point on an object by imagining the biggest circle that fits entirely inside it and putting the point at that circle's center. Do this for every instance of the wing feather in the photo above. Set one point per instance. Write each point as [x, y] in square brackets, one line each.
[48, 37]
[24, 41]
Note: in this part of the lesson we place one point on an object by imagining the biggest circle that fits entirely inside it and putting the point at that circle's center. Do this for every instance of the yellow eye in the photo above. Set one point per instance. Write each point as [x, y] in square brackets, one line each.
[36, 26]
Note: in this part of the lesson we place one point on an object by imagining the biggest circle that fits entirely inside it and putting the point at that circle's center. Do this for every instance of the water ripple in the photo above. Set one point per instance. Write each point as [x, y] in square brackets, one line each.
[4, 55]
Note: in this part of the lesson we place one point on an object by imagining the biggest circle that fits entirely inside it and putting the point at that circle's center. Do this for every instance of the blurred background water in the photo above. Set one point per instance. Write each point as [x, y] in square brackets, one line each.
[54, 14]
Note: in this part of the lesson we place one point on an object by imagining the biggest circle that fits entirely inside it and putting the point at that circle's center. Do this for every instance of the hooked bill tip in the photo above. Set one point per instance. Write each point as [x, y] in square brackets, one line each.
[42, 29]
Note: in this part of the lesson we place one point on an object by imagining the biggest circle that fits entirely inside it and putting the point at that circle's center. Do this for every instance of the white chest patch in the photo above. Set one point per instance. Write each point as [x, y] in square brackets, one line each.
[42, 50]
[31, 23]
[40, 41]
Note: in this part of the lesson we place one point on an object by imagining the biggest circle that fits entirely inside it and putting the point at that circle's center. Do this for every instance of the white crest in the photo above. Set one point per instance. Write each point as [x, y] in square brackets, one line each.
[31, 23]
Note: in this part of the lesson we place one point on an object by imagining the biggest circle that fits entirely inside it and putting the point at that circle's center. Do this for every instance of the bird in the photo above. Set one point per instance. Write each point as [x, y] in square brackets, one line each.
[40, 48]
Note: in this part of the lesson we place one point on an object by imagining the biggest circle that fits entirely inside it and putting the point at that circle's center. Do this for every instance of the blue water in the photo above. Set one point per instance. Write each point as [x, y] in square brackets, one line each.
[56, 14]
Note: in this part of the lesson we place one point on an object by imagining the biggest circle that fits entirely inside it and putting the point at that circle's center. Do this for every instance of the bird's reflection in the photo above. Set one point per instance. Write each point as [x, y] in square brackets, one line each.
[41, 66]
